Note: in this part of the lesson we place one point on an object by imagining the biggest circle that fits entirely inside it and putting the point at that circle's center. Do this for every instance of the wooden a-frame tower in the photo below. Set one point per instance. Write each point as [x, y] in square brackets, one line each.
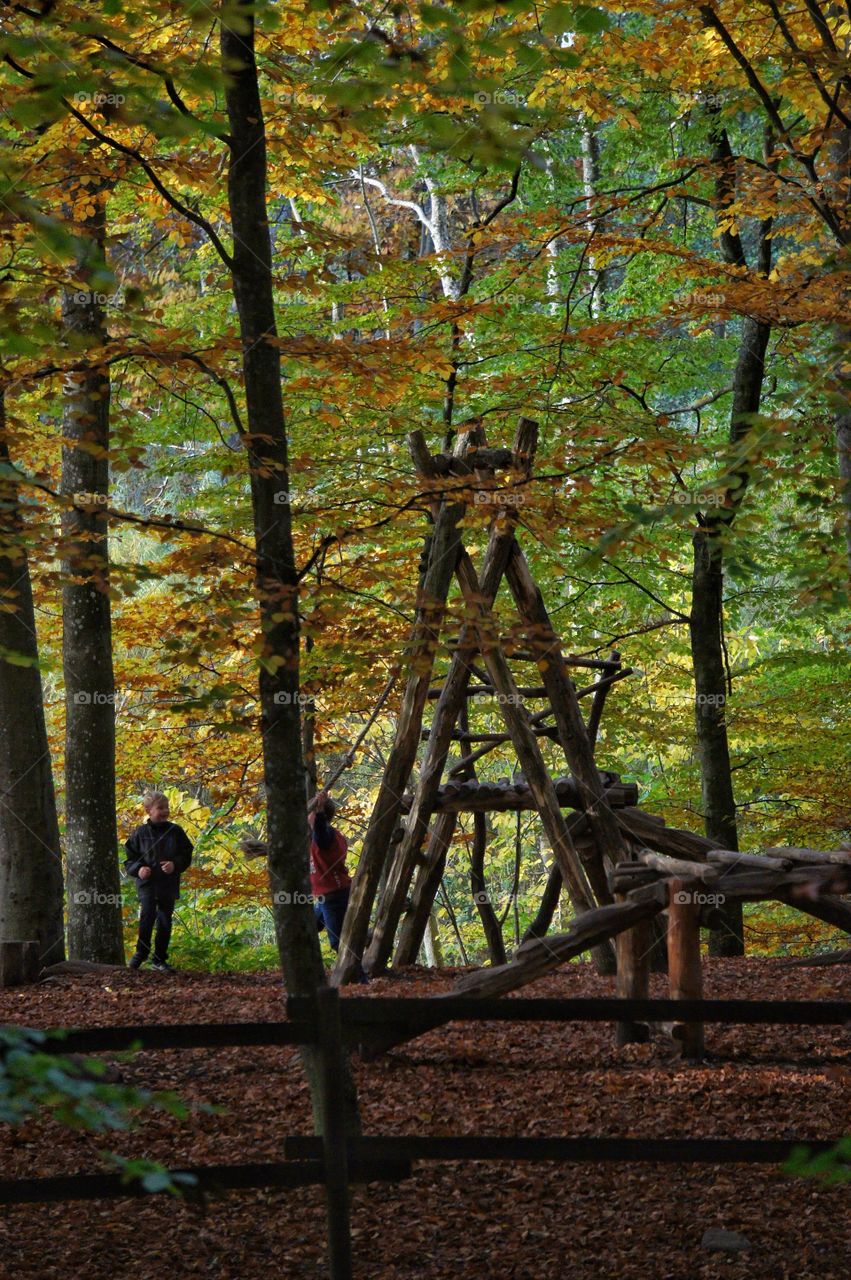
[408, 865]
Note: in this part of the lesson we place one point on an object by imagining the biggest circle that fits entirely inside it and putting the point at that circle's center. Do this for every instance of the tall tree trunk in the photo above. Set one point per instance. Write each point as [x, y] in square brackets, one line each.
[590, 143]
[841, 155]
[707, 640]
[276, 579]
[30, 856]
[707, 609]
[91, 842]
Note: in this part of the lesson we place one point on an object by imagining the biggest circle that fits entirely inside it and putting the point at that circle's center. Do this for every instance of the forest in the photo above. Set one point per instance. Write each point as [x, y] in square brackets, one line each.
[447, 407]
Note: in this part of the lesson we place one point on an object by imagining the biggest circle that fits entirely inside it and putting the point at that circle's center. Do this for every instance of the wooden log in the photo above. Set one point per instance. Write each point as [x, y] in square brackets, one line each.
[652, 833]
[541, 955]
[491, 797]
[529, 754]
[482, 458]
[390, 908]
[535, 721]
[570, 659]
[415, 921]
[840, 857]
[729, 857]
[632, 948]
[495, 739]
[419, 653]
[78, 968]
[679, 867]
[831, 910]
[625, 877]
[685, 977]
[20, 963]
[571, 726]
[601, 690]
[489, 692]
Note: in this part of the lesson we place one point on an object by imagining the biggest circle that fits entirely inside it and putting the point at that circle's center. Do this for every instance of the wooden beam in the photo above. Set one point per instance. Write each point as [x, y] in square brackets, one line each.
[685, 976]
[419, 656]
[632, 948]
[573, 735]
[428, 876]
[651, 831]
[840, 857]
[679, 867]
[601, 689]
[529, 753]
[500, 543]
[541, 955]
[731, 858]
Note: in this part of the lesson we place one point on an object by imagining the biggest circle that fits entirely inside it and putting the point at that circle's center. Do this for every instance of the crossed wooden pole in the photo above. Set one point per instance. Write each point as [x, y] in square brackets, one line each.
[449, 480]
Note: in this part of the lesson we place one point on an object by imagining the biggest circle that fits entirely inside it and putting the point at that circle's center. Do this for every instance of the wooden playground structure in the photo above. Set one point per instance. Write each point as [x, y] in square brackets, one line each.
[636, 885]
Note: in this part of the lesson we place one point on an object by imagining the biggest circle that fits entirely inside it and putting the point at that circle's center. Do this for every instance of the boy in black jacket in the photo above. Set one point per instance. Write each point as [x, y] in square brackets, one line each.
[157, 853]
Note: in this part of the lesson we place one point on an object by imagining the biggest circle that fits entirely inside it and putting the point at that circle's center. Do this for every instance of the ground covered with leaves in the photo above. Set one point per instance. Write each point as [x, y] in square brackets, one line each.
[514, 1222]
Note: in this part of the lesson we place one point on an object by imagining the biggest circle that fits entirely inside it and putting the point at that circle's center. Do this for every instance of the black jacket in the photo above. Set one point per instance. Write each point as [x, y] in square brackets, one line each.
[156, 842]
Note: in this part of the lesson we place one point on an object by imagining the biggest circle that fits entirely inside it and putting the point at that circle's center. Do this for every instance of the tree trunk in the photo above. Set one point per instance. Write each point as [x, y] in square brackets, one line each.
[30, 857]
[707, 641]
[275, 575]
[91, 841]
[590, 143]
[707, 610]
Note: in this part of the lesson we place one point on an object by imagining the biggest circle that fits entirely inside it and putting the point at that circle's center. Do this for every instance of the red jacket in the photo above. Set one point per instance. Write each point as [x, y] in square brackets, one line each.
[328, 866]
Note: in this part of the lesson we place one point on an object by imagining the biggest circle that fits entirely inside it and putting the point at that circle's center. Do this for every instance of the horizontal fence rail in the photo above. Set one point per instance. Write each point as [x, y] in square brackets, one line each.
[360, 1015]
[178, 1035]
[565, 1150]
[390, 1013]
[209, 1178]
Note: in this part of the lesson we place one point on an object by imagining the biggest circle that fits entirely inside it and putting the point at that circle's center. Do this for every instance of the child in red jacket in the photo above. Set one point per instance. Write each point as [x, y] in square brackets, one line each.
[330, 882]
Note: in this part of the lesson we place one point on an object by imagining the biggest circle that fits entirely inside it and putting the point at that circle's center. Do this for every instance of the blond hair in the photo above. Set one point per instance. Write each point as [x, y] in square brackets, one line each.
[150, 798]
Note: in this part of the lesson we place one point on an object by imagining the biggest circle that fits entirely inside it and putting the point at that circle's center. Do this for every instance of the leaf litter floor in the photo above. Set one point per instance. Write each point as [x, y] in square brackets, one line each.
[452, 1220]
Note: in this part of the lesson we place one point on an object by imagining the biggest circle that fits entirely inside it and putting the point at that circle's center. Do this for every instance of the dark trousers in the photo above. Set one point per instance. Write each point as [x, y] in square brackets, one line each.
[330, 911]
[156, 906]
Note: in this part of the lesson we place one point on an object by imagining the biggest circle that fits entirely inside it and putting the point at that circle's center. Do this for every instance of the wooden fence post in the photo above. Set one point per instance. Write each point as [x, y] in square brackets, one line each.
[329, 1027]
[633, 947]
[685, 976]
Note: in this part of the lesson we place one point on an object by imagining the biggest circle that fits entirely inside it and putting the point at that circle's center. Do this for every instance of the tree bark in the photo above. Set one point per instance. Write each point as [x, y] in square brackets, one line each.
[30, 856]
[276, 579]
[91, 840]
[707, 609]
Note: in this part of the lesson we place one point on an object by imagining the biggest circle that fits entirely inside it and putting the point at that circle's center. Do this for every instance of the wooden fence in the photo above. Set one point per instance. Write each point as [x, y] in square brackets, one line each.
[335, 1160]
